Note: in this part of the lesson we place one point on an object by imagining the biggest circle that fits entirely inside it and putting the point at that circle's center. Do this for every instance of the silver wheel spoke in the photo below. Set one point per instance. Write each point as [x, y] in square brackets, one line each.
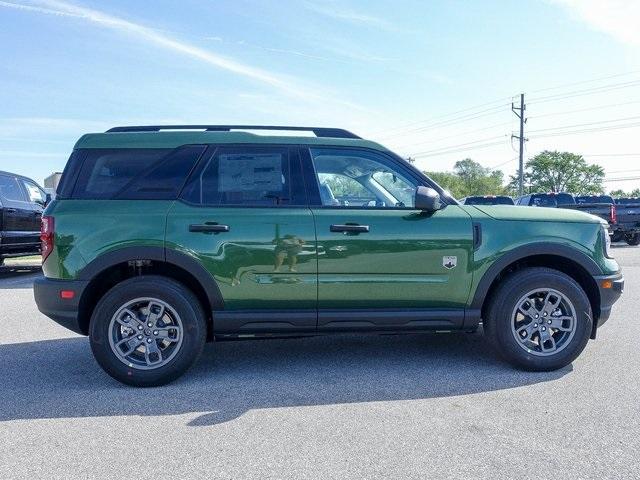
[128, 319]
[547, 342]
[131, 343]
[529, 329]
[529, 311]
[152, 354]
[559, 323]
[156, 311]
[171, 333]
[549, 304]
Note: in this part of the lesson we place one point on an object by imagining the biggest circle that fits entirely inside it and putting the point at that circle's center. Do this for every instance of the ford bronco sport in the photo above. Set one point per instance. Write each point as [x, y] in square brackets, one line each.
[163, 238]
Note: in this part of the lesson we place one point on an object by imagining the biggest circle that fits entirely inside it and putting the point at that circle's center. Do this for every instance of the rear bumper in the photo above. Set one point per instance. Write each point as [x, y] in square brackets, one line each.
[65, 311]
[610, 288]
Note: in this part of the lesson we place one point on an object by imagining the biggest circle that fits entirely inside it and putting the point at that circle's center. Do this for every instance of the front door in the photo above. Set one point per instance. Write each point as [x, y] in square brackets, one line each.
[382, 264]
[244, 216]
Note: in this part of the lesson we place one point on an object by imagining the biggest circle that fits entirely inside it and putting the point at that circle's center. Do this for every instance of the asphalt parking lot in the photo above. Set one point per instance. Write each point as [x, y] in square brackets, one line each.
[421, 406]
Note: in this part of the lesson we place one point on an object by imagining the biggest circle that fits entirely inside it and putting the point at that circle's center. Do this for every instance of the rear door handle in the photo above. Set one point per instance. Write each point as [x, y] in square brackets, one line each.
[208, 228]
[349, 228]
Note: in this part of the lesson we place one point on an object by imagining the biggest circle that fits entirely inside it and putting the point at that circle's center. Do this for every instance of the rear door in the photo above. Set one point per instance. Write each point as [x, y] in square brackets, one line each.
[244, 215]
[37, 199]
[382, 264]
[17, 215]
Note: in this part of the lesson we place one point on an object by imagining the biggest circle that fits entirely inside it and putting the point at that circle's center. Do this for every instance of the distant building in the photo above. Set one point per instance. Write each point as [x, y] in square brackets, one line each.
[51, 183]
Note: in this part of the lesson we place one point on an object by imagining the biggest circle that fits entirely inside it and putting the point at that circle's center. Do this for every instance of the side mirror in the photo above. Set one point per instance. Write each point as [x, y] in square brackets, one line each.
[47, 200]
[427, 199]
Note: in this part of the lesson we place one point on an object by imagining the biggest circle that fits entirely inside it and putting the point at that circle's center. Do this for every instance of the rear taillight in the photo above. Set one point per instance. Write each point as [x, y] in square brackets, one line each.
[47, 230]
[614, 214]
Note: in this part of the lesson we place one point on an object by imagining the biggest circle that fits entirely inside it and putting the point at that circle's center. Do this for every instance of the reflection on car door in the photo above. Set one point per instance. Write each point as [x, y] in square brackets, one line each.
[244, 216]
[378, 252]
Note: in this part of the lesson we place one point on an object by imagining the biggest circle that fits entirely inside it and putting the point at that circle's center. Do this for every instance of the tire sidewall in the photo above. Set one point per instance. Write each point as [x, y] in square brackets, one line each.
[169, 291]
[519, 285]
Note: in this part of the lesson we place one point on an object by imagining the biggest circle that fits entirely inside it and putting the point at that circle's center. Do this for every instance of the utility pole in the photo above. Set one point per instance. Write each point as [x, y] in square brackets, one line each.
[519, 112]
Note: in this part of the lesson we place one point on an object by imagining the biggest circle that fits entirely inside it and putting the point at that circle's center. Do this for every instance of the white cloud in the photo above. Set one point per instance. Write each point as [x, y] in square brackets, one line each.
[284, 84]
[618, 18]
[358, 18]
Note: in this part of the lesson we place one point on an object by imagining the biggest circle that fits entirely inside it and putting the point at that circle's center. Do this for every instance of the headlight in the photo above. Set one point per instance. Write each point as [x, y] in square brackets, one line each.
[606, 240]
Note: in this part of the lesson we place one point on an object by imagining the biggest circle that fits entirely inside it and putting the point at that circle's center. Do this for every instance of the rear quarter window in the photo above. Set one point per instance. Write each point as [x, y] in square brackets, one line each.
[135, 174]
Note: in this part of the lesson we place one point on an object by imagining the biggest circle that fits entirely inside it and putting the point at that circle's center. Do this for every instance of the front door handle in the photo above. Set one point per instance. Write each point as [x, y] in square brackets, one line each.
[349, 228]
[208, 228]
[10, 210]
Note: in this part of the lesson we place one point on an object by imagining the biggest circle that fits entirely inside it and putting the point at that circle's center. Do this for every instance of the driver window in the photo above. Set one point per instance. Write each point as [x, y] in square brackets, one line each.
[360, 179]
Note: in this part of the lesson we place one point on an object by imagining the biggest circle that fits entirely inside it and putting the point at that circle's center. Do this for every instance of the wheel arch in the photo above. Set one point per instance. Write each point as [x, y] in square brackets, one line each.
[568, 260]
[108, 269]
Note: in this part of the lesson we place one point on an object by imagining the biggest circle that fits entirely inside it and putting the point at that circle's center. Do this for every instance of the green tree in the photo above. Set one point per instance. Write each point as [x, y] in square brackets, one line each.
[553, 171]
[619, 193]
[470, 178]
[479, 180]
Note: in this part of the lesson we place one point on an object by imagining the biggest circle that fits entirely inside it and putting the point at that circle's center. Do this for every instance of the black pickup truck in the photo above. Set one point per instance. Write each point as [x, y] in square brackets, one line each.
[602, 206]
[628, 221]
[21, 205]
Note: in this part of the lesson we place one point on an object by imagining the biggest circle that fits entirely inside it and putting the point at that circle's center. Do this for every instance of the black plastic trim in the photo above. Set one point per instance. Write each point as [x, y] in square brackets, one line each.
[382, 320]
[238, 322]
[525, 251]
[320, 132]
[46, 292]
[170, 256]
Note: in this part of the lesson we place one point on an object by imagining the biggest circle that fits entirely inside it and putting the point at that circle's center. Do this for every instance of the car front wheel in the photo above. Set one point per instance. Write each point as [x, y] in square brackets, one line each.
[539, 319]
[147, 331]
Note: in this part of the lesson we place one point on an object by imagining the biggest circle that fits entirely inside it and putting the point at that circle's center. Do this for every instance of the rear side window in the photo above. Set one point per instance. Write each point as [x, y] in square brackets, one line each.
[10, 189]
[135, 174]
[247, 176]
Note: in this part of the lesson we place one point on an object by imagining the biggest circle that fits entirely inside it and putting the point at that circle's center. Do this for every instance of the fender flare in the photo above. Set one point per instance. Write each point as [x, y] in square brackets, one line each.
[158, 254]
[519, 253]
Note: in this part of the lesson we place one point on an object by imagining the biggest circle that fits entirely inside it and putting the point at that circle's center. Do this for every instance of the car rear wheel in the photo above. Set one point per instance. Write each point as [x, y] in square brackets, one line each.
[147, 331]
[617, 237]
[539, 319]
[633, 239]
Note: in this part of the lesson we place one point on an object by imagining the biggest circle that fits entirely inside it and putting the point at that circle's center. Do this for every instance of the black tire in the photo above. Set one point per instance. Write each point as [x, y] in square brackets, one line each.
[617, 237]
[498, 322]
[174, 294]
[633, 239]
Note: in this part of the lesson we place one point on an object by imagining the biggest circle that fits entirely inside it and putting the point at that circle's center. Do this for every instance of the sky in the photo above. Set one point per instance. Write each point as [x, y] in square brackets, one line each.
[433, 80]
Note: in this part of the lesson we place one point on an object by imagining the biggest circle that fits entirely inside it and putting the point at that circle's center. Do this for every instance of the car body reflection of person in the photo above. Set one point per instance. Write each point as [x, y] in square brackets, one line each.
[288, 247]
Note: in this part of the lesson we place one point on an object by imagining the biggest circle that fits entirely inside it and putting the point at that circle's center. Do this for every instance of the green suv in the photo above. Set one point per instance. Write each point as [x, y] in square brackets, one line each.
[163, 238]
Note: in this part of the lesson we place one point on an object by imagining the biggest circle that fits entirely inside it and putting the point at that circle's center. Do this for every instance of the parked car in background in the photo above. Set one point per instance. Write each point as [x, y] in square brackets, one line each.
[628, 221]
[21, 203]
[551, 199]
[602, 206]
[487, 200]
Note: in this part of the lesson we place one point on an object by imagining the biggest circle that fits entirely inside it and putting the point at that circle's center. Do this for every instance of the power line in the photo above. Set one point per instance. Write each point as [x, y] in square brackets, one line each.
[452, 121]
[589, 91]
[586, 124]
[589, 130]
[458, 134]
[448, 147]
[475, 147]
[585, 81]
[402, 127]
[599, 107]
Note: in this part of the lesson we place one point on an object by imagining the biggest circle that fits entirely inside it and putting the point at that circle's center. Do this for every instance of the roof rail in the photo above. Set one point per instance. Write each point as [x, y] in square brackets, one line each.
[318, 131]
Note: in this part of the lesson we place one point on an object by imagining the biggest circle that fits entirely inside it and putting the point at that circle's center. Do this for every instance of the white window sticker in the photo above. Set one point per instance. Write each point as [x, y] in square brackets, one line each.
[250, 172]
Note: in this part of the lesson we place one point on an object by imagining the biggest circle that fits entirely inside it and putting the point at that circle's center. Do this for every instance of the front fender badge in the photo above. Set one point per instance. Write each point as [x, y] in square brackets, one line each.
[449, 261]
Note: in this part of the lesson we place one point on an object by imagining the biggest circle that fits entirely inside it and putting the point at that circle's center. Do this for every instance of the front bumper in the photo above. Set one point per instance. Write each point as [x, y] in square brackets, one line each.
[64, 311]
[610, 288]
